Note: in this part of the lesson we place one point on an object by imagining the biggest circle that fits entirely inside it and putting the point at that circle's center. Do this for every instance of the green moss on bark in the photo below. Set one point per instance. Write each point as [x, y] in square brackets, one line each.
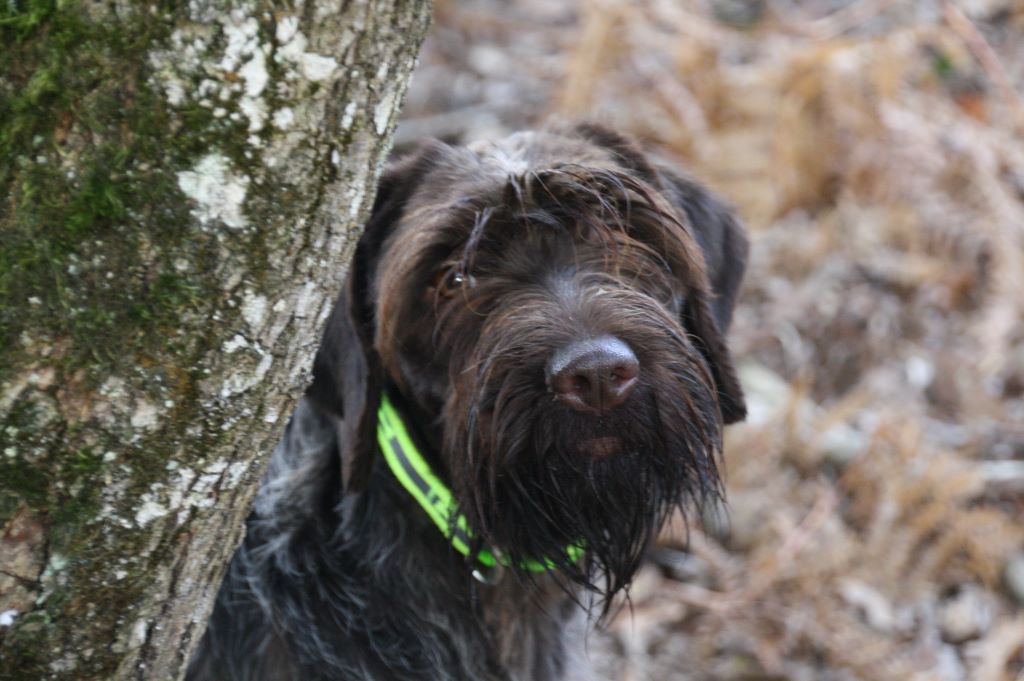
[88, 178]
[102, 267]
[116, 301]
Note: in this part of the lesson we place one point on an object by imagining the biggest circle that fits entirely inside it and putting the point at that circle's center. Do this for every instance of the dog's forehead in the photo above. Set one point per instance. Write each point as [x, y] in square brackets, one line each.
[486, 165]
[532, 151]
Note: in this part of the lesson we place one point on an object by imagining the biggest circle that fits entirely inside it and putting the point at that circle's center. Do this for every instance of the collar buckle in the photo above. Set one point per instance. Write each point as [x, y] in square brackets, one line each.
[488, 576]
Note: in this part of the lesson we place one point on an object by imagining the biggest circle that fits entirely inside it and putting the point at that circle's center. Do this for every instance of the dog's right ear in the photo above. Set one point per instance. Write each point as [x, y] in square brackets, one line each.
[347, 374]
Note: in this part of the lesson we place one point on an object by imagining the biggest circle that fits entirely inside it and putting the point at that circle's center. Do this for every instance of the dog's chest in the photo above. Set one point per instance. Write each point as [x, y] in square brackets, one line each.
[537, 631]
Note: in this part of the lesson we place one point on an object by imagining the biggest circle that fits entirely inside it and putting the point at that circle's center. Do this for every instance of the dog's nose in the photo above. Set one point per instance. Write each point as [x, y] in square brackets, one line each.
[593, 375]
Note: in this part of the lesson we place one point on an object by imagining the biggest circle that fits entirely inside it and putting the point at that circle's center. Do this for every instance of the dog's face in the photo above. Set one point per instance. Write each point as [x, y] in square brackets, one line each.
[545, 303]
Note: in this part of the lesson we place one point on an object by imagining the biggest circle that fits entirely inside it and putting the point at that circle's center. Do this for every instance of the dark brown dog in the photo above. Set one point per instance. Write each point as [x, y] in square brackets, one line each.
[547, 313]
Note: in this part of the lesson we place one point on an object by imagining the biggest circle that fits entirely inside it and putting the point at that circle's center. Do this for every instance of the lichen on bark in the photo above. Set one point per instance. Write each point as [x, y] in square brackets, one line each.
[181, 185]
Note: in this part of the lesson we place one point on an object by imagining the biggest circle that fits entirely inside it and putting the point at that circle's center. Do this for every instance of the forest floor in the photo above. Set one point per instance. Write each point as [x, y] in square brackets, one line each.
[875, 149]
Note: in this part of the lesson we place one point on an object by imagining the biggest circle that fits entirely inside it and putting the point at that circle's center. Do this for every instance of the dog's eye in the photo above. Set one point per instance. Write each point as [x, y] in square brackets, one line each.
[449, 281]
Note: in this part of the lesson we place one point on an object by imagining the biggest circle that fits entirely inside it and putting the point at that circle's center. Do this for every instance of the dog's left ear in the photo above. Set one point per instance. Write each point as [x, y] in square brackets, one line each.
[723, 243]
[347, 373]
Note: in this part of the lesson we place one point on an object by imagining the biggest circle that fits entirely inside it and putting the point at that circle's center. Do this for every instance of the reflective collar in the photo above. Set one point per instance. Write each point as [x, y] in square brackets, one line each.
[416, 476]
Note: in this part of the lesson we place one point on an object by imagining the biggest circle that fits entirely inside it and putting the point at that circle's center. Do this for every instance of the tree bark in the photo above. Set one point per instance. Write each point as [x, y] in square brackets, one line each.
[181, 188]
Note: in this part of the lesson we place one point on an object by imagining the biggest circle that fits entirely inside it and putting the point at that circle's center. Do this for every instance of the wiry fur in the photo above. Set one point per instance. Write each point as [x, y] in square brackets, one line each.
[477, 265]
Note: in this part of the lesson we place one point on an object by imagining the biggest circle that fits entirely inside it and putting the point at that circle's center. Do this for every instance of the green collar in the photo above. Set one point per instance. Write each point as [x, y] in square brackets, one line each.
[413, 471]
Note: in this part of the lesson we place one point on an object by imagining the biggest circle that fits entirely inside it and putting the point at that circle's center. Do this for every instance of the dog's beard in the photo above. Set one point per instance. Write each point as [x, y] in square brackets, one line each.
[535, 478]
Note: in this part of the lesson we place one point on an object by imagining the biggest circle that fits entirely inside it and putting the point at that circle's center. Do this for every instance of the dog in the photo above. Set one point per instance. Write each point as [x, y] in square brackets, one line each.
[525, 375]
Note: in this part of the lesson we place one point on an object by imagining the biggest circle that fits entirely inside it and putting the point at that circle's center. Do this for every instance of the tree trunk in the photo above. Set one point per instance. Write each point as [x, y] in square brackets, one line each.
[181, 186]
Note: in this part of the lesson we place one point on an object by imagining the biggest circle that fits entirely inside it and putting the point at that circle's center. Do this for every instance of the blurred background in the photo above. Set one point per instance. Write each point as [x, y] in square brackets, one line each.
[875, 150]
